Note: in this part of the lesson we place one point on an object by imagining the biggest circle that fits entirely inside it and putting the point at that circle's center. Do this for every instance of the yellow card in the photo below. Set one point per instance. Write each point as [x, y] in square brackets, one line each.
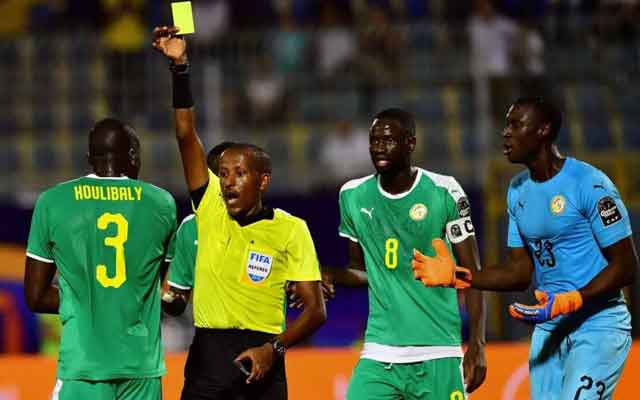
[183, 17]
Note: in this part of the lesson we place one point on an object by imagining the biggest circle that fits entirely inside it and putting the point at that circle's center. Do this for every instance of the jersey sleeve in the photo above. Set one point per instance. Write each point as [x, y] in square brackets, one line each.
[302, 261]
[212, 198]
[171, 248]
[458, 226]
[39, 246]
[172, 215]
[603, 206]
[347, 227]
[457, 202]
[514, 239]
[182, 266]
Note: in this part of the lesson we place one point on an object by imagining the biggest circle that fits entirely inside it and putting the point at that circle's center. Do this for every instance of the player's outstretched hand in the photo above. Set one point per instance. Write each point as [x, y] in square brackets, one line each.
[166, 41]
[261, 361]
[328, 284]
[440, 270]
[549, 306]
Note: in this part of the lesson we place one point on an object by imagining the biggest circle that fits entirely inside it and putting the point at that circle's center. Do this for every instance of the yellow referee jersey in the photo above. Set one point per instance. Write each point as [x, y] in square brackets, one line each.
[241, 271]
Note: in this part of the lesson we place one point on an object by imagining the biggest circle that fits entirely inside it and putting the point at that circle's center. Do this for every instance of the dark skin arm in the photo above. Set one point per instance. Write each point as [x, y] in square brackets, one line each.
[194, 160]
[515, 275]
[40, 295]
[312, 317]
[620, 272]
[355, 275]
[180, 300]
[474, 363]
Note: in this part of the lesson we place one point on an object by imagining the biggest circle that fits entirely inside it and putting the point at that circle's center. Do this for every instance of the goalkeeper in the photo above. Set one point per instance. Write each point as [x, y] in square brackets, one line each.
[567, 223]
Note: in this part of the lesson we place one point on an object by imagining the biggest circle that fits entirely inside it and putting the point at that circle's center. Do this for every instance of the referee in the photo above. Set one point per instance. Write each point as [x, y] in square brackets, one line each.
[246, 254]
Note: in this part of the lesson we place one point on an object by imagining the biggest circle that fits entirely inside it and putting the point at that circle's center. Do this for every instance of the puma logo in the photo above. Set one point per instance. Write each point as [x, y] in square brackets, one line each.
[521, 204]
[599, 186]
[368, 212]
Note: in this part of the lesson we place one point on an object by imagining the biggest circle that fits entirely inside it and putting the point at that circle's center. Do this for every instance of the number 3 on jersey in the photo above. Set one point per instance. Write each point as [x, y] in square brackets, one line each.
[117, 242]
[391, 253]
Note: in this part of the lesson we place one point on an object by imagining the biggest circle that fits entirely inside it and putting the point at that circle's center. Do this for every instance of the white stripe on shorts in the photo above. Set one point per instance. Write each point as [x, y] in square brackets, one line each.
[56, 390]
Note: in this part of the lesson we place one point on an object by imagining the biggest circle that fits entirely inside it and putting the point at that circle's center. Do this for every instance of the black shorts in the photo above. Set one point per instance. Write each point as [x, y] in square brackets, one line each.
[210, 373]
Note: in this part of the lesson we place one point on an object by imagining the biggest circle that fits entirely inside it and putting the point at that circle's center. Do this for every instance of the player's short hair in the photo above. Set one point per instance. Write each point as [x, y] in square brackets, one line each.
[214, 155]
[261, 159]
[548, 113]
[405, 118]
[111, 138]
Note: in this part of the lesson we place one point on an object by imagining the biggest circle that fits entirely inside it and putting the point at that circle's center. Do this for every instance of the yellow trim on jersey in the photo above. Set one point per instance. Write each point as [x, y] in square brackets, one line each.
[241, 272]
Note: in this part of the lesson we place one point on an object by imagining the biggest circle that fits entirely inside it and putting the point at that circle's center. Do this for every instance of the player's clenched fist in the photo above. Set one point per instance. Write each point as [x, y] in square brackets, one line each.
[166, 41]
[440, 270]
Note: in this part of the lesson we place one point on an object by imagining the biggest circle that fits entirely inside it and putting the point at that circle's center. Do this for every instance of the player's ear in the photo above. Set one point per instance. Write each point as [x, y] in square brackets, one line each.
[411, 141]
[132, 155]
[265, 181]
[545, 131]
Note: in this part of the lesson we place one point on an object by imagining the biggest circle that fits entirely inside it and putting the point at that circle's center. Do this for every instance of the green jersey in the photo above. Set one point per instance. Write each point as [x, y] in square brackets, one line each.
[108, 238]
[183, 248]
[402, 311]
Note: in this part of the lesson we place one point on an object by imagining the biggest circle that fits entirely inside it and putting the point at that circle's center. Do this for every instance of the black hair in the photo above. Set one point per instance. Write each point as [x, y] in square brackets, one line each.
[109, 138]
[548, 112]
[261, 159]
[405, 119]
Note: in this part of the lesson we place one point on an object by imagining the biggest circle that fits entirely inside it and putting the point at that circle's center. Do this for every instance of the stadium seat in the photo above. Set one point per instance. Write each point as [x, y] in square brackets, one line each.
[9, 160]
[8, 126]
[45, 158]
[631, 129]
[163, 153]
[589, 98]
[43, 121]
[329, 105]
[421, 37]
[435, 141]
[79, 155]
[597, 135]
[426, 105]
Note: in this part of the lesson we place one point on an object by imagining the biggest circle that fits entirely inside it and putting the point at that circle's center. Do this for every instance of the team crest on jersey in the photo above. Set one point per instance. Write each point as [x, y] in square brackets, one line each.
[558, 203]
[258, 266]
[418, 212]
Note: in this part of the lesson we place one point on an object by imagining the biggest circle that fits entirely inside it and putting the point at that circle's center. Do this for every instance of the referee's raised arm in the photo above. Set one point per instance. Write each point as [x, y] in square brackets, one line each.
[194, 161]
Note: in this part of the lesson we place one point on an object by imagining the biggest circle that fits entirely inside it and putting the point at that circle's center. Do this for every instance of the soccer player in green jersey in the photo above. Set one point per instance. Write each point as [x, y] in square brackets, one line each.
[413, 337]
[106, 235]
[247, 252]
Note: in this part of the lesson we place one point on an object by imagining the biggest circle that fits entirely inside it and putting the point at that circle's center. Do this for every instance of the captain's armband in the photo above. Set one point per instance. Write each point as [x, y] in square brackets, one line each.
[459, 229]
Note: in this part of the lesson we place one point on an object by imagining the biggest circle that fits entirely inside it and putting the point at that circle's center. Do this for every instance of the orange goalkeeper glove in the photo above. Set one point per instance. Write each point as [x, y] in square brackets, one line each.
[549, 306]
[440, 270]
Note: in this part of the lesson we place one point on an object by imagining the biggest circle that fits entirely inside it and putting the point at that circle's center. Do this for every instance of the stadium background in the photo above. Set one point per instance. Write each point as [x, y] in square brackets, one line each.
[303, 78]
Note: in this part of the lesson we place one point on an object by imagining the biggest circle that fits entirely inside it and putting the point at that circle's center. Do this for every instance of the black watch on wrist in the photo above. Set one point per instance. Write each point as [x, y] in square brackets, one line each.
[278, 347]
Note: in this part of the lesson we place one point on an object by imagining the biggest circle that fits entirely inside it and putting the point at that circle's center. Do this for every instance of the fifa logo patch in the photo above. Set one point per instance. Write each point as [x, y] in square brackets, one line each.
[258, 266]
[557, 204]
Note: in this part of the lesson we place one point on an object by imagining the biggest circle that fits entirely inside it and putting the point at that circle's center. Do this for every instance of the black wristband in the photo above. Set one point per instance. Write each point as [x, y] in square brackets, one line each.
[180, 74]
